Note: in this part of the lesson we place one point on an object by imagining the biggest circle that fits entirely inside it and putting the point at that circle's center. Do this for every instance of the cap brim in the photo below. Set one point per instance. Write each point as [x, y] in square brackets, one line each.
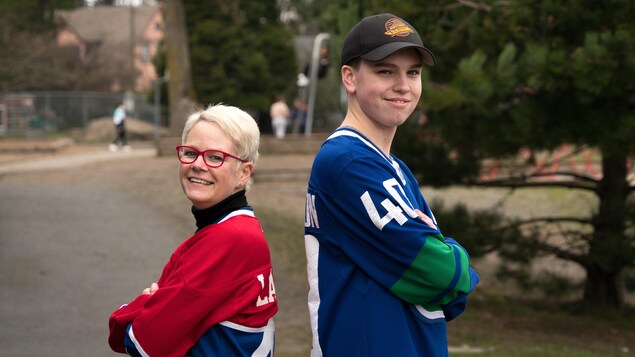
[388, 49]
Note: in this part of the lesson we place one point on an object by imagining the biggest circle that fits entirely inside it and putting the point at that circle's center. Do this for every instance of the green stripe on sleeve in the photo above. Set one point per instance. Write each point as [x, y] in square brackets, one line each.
[431, 272]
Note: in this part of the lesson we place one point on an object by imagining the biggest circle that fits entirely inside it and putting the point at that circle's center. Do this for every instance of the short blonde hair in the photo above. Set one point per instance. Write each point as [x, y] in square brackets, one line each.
[235, 122]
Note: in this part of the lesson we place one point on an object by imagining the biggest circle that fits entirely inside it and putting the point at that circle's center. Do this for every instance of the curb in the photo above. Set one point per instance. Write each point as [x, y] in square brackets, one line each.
[30, 146]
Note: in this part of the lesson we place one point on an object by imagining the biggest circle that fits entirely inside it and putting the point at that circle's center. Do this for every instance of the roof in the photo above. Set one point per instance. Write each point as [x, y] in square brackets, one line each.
[109, 25]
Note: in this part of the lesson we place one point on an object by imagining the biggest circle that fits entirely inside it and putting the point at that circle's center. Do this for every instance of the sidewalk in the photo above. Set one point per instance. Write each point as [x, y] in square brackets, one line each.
[22, 157]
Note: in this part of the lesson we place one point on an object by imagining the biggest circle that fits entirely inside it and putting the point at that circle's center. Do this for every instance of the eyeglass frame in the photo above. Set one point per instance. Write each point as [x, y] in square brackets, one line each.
[202, 153]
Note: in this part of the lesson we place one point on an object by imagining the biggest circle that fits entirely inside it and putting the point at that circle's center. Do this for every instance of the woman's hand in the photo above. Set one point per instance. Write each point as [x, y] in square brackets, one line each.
[151, 290]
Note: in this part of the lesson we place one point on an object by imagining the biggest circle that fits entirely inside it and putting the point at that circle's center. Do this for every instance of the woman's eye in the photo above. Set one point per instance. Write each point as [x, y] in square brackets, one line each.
[214, 158]
[190, 153]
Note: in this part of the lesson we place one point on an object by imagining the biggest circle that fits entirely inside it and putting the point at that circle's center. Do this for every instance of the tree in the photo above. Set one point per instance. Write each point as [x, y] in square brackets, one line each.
[241, 52]
[177, 61]
[30, 60]
[538, 74]
[523, 74]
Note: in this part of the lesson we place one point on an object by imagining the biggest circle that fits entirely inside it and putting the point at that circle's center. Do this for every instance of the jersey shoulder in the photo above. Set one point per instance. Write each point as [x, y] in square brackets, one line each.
[343, 147]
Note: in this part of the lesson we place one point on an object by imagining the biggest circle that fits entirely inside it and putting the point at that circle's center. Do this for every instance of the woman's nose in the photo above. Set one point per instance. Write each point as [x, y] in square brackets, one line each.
[199, 163]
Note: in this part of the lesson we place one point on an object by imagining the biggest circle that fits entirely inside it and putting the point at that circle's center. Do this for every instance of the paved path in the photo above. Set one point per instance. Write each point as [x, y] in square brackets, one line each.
[71, 160]
[70, 254]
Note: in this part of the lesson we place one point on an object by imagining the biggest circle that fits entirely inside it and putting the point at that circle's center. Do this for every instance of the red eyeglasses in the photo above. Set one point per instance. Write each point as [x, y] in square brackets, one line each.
[212, 158]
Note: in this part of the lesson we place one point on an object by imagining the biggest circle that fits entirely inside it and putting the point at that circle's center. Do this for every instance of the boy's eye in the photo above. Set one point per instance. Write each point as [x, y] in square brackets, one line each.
[189, 153]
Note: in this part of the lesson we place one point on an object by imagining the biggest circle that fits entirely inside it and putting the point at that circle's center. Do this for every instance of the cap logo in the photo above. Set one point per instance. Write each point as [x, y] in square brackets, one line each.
[396, 27]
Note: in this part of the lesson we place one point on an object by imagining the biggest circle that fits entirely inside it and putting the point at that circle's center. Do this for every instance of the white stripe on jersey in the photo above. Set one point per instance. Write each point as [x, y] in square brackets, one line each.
[136, 343]
[239, 212]
[430, 314]
[312, 246]
[266, 345]
[394, 164]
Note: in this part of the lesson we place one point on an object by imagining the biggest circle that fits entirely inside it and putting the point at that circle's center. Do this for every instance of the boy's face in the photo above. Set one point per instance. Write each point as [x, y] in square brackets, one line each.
[388, 90]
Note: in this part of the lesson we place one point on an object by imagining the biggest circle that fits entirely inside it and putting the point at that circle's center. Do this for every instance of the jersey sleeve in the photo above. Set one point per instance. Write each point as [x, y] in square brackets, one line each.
[210, 283]
[391, 234]
[121, 319]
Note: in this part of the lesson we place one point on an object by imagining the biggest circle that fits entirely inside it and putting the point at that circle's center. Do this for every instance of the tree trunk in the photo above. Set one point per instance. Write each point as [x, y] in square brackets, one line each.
[603, 286]
[180, 90]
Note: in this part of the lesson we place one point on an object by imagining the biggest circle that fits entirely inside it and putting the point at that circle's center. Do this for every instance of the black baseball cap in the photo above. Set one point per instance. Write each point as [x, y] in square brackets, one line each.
[379, 36]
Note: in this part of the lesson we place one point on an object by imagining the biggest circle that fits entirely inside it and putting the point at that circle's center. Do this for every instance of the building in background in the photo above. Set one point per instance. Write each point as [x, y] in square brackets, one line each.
[118, 40]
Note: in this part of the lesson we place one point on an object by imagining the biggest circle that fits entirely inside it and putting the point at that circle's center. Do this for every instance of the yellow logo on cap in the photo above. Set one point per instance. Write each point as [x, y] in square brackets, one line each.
[396, 27]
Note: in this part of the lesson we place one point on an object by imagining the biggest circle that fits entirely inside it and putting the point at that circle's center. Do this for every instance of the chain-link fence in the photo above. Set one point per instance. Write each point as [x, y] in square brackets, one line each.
[60, 111]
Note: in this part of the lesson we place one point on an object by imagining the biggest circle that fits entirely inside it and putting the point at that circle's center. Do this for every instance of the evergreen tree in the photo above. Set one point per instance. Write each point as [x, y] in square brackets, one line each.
[532, 75]
[538, 74]
[241, 53]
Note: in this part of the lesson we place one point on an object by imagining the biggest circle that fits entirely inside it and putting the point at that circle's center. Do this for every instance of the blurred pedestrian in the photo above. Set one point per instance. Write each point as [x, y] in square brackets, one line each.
[298, 115]
[119, 119]
[280, 113]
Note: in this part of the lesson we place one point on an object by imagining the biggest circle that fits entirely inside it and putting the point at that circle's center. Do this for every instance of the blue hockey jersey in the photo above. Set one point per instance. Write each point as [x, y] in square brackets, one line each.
[383, 279]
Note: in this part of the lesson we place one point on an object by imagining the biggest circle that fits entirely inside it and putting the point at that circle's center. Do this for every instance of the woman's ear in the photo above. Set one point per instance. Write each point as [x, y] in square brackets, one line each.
[245, 174]
[348, 78]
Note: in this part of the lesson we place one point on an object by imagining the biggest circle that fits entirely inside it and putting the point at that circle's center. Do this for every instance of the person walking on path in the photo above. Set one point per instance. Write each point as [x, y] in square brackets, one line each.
[383, 279]
[119, 119]
[298, 115]
[280, 113]
[216, 295]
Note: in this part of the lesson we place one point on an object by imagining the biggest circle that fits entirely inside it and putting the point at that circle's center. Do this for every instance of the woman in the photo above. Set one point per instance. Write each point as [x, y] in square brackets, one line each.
[216, 295]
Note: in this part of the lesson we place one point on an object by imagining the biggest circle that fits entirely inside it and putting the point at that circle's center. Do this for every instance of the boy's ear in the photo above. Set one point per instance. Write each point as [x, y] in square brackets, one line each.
[348, 78]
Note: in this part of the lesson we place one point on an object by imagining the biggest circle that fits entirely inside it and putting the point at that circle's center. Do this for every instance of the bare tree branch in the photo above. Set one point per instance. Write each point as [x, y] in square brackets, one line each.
[514, 183]
[556, 220]
[474, 5]
[563, 254]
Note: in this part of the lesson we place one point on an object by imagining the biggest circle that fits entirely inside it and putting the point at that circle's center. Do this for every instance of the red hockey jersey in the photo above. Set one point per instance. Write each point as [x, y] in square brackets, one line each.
[220, 278]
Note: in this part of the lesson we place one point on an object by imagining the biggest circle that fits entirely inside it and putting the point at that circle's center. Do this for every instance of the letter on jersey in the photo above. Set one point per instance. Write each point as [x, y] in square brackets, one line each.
[271, 297]
[393, 212]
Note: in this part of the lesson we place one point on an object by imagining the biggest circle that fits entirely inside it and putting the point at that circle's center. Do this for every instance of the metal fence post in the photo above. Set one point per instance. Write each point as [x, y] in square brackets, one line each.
[313, 79]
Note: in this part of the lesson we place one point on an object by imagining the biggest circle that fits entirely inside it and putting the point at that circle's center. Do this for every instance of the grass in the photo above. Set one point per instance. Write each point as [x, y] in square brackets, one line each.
[513, 327]
[285, 235]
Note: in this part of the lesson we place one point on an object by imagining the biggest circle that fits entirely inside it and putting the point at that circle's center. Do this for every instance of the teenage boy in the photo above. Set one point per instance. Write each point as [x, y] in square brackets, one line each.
[383, 279]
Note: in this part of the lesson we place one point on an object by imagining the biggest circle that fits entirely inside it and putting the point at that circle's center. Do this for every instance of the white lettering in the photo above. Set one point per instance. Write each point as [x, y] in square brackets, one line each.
[397, 193]
[390, 185]
[265, 300]
[271, 290]
[393, 212]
